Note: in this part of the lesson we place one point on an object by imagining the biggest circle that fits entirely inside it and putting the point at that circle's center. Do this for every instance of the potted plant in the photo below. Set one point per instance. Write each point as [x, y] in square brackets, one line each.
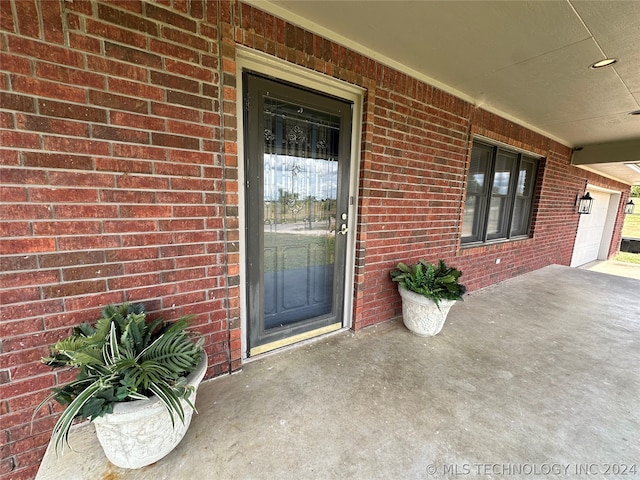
[427, 292]
[137, 383]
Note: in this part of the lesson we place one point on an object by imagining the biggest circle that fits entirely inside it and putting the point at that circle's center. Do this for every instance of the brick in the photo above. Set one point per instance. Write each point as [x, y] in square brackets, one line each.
[146, 211]
[172, 111]
[55, 160]
[66, 195]
[70, 76]
[127, 20]
[73, 289]
[68, 211]
[188, 198]
[133, 281]
[15, 229]
[117, 34]
[91, 271]
[116, 68]
[25, 279]
[137, 226]
[88, 242]
[81, 179]
[170, 18]
[20, 327]
[27, 16]
[50, 125]
[174, 82]
[188, 100]
[175, 141]
[132, 182]
[118, 102]
[52, 19]
[132, 55]
[75, 145]
[183, 38]
[142, 122]
[171, 50]
[30, 309]
[13, 194]
[15, 64]
[132, 254]
[177, 169]
[26, 245]
[17, 102]
[181, 250]
[139, 152]
[182, 128]
[135, 89]
[17, 139]
[119, 134]
[45, 51]
[71, 111]
[97, 301]
[19, 295]
[84, 43]
[127, 196]
[193, 71]
[14, 263]
[7, 121]
[195, 224]
[6, 17]
[123, 165]
[26, 211]
[149, 266]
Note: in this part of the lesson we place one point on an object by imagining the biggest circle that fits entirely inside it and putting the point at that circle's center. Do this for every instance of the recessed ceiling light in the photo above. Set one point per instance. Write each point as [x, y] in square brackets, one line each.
[604, 63]
[635, 112]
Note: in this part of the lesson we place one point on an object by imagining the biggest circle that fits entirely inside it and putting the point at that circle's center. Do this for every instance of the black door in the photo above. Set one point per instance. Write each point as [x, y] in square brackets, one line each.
[297, 151]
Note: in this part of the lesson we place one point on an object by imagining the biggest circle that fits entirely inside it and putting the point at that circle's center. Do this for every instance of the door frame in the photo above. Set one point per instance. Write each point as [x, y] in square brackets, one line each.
[248, 59]
[607, 231]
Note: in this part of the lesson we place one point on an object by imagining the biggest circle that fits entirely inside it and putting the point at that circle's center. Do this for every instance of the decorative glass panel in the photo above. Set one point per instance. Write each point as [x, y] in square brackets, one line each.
[300, 192]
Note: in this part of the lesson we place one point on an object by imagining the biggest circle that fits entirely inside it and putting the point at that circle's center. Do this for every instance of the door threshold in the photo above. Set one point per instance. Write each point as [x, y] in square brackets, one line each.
[300, 339]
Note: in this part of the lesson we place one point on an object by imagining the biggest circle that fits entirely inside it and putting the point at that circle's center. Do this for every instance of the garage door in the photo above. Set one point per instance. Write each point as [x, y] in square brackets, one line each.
[591, 230]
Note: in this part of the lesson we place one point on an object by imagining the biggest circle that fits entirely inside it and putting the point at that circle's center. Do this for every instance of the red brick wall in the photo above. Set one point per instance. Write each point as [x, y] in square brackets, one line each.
[114, 187]
[120, 173]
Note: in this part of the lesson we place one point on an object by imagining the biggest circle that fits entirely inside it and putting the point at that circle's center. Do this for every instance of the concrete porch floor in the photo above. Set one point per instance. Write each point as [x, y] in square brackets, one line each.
[540, 373]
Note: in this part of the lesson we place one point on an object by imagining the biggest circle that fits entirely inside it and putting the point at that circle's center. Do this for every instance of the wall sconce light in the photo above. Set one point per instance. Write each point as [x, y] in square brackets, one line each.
[629, 206]
[584, 203]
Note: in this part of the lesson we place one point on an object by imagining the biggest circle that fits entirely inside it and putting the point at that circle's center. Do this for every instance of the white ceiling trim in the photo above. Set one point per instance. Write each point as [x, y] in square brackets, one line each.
[346, 42]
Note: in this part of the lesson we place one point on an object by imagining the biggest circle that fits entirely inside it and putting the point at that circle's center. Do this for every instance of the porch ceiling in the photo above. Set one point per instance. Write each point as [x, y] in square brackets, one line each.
[528, 61]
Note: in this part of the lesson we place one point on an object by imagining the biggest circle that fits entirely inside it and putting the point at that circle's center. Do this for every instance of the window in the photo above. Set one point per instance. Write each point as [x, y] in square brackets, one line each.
[500, 189]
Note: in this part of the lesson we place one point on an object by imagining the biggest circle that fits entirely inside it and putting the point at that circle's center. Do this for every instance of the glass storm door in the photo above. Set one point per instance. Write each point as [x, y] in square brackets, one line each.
[297, 150]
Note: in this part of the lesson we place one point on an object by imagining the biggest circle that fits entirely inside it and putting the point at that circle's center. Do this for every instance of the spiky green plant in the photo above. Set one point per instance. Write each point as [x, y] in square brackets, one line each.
[435, 283]
[123, 358]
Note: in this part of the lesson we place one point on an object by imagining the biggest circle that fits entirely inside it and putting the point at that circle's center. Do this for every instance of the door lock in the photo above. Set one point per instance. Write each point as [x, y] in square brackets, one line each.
[343, 229]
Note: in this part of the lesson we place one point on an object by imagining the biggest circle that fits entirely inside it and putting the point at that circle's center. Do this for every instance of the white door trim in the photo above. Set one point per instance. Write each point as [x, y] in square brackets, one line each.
[609, 225]
[248, 59]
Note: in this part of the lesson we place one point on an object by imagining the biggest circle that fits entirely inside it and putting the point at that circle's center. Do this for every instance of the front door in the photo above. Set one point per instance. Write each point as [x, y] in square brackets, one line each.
[297, 151]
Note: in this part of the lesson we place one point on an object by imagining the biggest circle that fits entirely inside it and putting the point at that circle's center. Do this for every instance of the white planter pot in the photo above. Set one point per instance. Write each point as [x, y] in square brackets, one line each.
[140, 433]
[421, 315]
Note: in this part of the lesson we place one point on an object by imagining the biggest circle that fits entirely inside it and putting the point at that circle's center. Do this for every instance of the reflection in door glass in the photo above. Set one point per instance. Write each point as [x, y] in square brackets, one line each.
[300, 192]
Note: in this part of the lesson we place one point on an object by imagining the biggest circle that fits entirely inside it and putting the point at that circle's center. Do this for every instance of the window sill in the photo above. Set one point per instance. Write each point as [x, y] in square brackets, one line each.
[494, 243]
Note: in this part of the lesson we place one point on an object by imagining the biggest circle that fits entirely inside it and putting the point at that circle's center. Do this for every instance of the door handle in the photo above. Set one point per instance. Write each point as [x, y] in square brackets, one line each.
[343, 229]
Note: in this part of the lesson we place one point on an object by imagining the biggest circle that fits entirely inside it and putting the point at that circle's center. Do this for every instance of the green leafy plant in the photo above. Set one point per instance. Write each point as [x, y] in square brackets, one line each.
[123, 358]
[434, 282]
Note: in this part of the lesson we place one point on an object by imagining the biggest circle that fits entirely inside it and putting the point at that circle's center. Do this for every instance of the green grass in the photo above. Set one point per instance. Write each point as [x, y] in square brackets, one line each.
[627, 257]
[631, 227]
